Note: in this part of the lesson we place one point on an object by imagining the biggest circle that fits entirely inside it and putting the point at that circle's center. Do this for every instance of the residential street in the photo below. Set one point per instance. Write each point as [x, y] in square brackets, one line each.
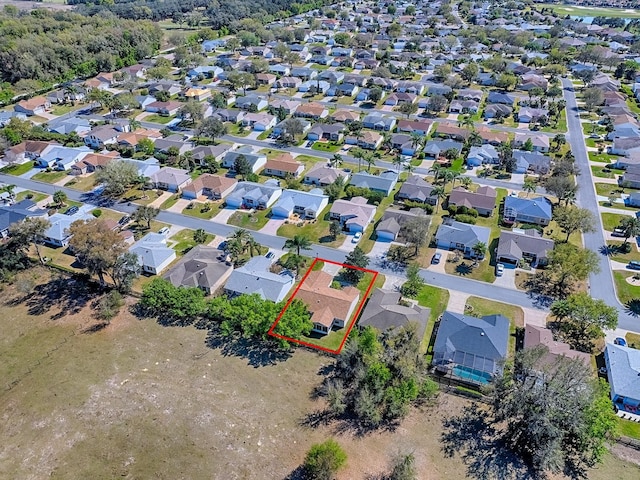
[602, 285]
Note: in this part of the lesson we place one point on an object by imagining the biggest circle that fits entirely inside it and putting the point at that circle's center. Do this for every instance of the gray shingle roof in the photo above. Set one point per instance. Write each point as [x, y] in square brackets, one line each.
[255, 277]
[623, 370]
[383, 312]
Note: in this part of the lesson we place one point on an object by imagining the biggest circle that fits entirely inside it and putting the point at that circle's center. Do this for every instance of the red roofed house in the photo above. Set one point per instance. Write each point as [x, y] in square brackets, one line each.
[282, 166]
[33, 106]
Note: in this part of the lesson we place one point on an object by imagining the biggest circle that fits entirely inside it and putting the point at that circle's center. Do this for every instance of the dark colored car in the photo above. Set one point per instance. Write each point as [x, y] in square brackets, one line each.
[620, 341]
[72, 210]
[634, 265]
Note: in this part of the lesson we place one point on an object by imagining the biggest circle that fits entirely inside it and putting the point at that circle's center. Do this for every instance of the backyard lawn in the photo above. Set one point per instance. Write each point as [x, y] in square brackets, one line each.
[252, 221]
[435, 299]
[50, 177]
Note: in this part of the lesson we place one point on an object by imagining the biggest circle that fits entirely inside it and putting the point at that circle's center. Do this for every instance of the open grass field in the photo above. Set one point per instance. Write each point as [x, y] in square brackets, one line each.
[139, 400]
[590, 11]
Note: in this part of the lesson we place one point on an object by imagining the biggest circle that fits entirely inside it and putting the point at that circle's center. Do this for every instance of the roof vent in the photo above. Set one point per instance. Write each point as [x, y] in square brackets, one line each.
[482, 334]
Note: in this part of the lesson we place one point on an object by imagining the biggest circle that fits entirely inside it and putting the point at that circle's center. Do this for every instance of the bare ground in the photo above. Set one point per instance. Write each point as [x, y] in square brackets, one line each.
[138, 400]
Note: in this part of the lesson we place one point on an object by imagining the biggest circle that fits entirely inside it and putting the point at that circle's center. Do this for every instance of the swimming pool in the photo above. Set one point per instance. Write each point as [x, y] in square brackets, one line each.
[472, 374]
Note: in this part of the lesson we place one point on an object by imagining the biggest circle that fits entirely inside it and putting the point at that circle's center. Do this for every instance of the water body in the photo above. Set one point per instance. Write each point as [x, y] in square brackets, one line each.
[589, 20]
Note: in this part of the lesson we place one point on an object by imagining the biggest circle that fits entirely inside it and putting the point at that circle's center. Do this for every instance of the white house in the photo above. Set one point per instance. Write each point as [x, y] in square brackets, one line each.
[305, 204]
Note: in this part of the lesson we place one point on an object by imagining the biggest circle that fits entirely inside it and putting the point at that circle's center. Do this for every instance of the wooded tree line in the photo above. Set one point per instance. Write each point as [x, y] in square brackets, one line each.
[218, 13]
[41, 47]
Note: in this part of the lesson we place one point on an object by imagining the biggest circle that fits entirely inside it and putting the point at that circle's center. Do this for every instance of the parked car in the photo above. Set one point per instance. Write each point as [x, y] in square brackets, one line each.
[269, 255]
[620, 341]
[618, 232]
[222, 245]
[356, 238]
[163, 230]
[124, 220]
[499, 269]
[72, 210]
[436, 258]
[634, 265]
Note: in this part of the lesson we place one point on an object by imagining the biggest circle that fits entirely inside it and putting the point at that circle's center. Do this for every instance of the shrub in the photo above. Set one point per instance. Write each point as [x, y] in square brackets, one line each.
[424, 206]
[96, 213]
[109, 306]
[471, 220]
[324, 460]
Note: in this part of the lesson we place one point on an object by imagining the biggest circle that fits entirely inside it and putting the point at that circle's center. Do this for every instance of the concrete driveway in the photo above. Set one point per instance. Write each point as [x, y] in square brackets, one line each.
[347, 245]
[224, 215]
[508, 278]
[272, 226]
[439, 267]
[379, 249]
[180, 205]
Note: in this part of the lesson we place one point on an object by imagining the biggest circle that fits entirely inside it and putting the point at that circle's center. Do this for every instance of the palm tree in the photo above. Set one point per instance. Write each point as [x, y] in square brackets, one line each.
[134, 125]
[252, 245]
[59, 197]
[416, 140]
[408, 166]
[479, 249]
[359, 154]
[297, 243]
[529, 186]
[467, 121]
[242, 235]
[454, 176]
[336, 160]
[440, 195]
[370, 159]
[448, 176]
[436, 169]
[398, 161]
[9, 189]
[466, 181]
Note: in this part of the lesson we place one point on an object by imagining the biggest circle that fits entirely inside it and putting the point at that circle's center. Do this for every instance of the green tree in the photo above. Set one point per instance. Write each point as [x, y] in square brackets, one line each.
[408, 108]
[630, 227]
[529, 186]
[414, 282]
[583, 320]
[30, 231]
[562, 187]
[334, 190]
[146, 146]
[242, 166]
[124, 270]
[553, 415]
[470, 72]
[117, 176]
[212, 128]
[403, 468]
[59, 197]
[297, 243]
[355, 258]
[146, 214]
[593, 97]
[568, 264]
[323, 460]
[335, 161]
[96, 246]
[334, 230]
[415, 232]
[440, 193]
[199, 236]
[573, 219]
[191, 111]
[160, 298]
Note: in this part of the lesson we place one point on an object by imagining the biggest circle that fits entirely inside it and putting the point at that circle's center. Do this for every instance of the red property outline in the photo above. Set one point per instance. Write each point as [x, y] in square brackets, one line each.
[354, 317]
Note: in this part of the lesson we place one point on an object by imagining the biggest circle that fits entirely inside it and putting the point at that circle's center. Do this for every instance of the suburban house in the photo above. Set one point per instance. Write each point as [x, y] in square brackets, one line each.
[354, 215]
[229, 115]
[259, 122]
[345, 116]
[62, 158]
[283, 166]
[288, 106]
[153, 253]
[623, 371]
[497, 110]
[483, 200]
[102, 136]
[216, 152]
[330, 307]
[385, 182]
[398, 98]
[471, 348]
[631, 177]
[483, 154]
[266, 78]
[535, 335]
[464, 106]
[385, 312]
[540, 142]
[453, 132]
[417, 189]
[255, 277]
[318, 86]
[197, 94]
[257, 161]
[200, 268]
[289, 82]
[436, 148]
[93, 162]
[528, 245]
[307, 205]
[172, 141]
[254, 195]
[326, 131]
[528, 114]
[390, 226]
[322, 175]
[452, 235]
[57, 235]
[533, 162]
[527, 210]
[368, 140]
[252, 102]
[211, 186]
[16, 213]
[312, 110]
[80, 126]
[500, 98]
[171, 179]
[421, 127]
[27, 150]
[404, 144]
[33, 106]
[378, 122]
[166, 109]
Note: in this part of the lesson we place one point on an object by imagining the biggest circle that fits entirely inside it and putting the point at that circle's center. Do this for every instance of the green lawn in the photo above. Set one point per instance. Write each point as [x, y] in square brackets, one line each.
[156, 118]
[62, 109]
[624, 257]
[626, 292]
[633, 340]
[483, 271]
[170, 202]
[252, 221]
[238, 130]
[607, 189]
[561, 127]
[610, 173]
[309, 159]
[84, 184]
[33, 196]
[600, 157]
[264, 135]
[50, 177]
[199, 210]
[184, 241]
[436, 299]
[326, 147]
[17, 170]
[482, 307]
[317, 231]
[611, 220]
[629, 428]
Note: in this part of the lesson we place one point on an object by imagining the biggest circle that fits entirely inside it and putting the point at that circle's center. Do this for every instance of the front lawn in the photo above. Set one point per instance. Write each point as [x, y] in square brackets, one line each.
[84, 184]
[618, 256]
[317, 231]
[611, 220]
[629, 428]
[17, 170]
[264, 135]
[598, 172]
[252, 221]
[206, 211]
[601, 157]
[170, 202]
[59, 110]
[156, 118]
[238, 130]
[29, 195]
[50, 177]
[607, 190]
[626, 292]
[560, 127]
[326, 147]
[483, 270]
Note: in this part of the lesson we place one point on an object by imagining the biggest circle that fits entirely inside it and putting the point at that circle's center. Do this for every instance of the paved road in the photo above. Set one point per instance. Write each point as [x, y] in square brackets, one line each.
[468, 286]
[602, 284]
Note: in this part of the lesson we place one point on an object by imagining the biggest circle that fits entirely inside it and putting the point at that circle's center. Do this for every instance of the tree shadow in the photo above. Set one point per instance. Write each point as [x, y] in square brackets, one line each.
[464, 269]
[632, 307]
[258, 353]
[476, 440]
[298, 474]
[607, 250]
[69, 294]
